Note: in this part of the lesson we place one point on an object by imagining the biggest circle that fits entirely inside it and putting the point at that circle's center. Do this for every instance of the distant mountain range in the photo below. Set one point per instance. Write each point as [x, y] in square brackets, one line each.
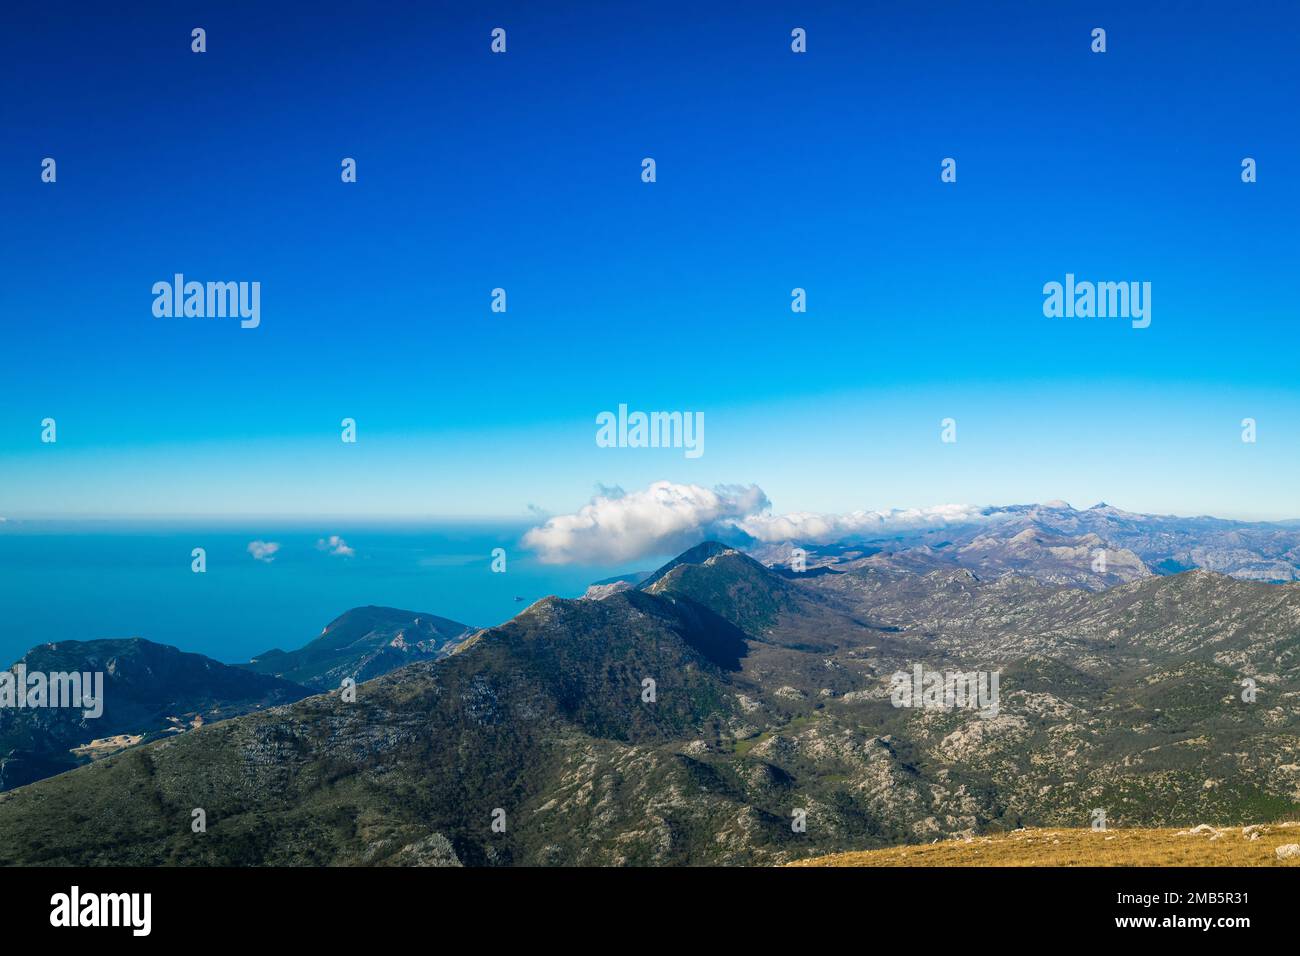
[1058, 544]
[691, 716]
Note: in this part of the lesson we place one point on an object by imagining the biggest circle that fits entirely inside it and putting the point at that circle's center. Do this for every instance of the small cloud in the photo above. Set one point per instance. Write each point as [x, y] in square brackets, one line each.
[263, 550]
[336, 546]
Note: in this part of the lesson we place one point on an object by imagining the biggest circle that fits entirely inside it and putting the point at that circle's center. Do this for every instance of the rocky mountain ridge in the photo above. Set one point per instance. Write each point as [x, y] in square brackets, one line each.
[719, 712]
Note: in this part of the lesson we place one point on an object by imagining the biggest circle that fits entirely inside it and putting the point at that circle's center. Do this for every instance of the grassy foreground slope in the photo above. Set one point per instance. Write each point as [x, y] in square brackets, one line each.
[1202, 846]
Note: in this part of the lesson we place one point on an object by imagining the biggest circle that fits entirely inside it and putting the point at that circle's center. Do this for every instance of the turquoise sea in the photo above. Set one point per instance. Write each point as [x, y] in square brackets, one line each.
[85, 580]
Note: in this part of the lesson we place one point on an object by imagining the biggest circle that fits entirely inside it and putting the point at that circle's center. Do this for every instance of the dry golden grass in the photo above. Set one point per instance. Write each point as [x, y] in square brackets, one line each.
[1046, 847]
[105, 746]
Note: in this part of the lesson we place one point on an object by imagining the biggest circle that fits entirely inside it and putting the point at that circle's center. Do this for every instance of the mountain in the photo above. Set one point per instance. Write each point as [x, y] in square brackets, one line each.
[604, 588]
[729, 583]
[1057, 544]
[150, 690]
[533, 717]
[1256, 551]
[697, 555]
[721, 713]
[364, 642]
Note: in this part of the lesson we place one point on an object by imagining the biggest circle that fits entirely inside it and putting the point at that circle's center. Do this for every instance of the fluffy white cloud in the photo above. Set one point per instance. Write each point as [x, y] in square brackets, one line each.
[668, 517]
[263, 550]
[810, 528]
[620, 526]
[336, 546]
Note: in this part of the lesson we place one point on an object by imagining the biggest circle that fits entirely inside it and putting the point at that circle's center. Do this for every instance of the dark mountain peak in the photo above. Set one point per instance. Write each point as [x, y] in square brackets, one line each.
[138, 662]
[564, 621]
[55, 650]
[702, 552]
[714, 561]
[373, 615]
[697, 555]
[362, 643]
[731, 585]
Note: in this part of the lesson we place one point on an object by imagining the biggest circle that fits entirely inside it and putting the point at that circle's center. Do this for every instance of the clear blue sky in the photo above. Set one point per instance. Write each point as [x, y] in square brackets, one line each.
[523, 171]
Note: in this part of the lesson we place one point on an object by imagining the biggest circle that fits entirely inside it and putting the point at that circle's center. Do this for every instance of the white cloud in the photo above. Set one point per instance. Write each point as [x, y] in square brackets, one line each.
[810, 528]
[263, 550]
[336, 546]
[620, 526]
[667, 517]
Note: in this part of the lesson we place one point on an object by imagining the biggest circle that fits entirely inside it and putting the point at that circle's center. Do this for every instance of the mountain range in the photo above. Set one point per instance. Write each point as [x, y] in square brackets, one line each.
[150, 691]
[153, 690]
[1058, 544]
[721, 711]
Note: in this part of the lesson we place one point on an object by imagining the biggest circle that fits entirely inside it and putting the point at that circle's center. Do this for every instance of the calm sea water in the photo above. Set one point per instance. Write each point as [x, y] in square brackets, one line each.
[64, 581]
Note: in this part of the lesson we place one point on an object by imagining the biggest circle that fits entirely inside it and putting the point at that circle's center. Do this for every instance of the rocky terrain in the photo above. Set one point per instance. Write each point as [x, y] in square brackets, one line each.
[1057, 544]
[153, 690]
[719, 712]
[600, 589]
[150, 691]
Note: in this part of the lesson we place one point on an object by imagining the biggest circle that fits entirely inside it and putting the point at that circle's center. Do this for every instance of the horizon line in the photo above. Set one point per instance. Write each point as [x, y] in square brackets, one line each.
[403, 518]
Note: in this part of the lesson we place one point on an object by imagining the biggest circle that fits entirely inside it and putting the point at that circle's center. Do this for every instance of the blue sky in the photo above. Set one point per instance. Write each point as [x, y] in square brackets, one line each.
[775, 170]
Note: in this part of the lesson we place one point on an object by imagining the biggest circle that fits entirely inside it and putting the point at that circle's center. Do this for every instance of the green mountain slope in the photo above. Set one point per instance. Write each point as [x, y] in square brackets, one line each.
[419, 762]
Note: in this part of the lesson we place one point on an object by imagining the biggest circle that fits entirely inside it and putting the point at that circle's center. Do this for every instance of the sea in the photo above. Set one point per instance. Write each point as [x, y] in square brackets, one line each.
[266, 585]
